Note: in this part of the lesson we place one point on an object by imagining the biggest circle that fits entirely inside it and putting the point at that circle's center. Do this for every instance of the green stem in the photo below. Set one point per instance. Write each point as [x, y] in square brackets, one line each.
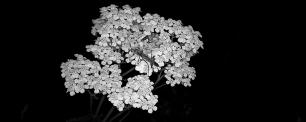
[120, 113]
[127, 72]
[99, 106]
[80, 119]
[90, 102]
[92, 94]
[108, 114]
[125, 116]
[159, 86]
[158, 79]
[159, 76]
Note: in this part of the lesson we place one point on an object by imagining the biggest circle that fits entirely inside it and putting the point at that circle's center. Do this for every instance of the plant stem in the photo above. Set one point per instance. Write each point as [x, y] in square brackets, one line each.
[158, 79]
[120, 113]
[80, 119]
[99, 106]
[108, 114]
[125, 116]
[127, 72]
[159, 86]
[159, 76]
[90, 102]
[92, 94]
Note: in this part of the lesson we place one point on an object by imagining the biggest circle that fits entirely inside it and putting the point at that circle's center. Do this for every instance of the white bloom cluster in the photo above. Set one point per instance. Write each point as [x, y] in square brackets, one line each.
[78, 72]
[143, 67]
[180, 75]
[106, 54]
[84, 74]
[151, 43]
[110, 80]
[137, 92]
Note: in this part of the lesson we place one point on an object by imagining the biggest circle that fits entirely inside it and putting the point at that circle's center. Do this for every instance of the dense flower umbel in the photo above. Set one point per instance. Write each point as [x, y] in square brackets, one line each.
[151, 43]
[137, 92]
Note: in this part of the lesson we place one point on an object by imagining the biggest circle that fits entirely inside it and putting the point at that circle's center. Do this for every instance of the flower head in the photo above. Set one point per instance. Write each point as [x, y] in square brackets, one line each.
[150, 43]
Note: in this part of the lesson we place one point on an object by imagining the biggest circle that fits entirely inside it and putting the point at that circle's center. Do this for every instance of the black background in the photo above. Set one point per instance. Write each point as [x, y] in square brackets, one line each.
[232, 84]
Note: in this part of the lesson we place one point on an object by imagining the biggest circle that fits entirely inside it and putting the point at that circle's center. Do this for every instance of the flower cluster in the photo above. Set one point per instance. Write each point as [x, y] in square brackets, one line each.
[137, 92]
[82, 74]
[106, 54]
[78, 72]
[180, 75]
[150, 43]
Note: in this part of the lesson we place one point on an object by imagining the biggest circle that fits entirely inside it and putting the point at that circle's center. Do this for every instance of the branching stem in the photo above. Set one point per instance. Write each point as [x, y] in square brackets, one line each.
[159, 86]
[108, 114]
[120, 113]
[99, 106]
[125, 116]
[160, 76]
[92, 94]
[91, 101]
[127, 72]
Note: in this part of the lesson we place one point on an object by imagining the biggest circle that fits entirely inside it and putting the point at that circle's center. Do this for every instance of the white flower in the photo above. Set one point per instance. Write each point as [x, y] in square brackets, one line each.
[182, 75]
[146, 42]
[143, 67]
[136, 105]
[150, 111]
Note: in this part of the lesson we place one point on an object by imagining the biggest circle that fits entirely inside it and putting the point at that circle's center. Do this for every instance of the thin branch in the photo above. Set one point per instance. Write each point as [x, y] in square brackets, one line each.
[127, 72]
[108, 114]
[158, 79]
[159, 76]
[160, 72]
[82, 118]
[25, 108]
[125, 116]
[99, 106]
[90, 102]
[120, 113]
[92, 94]
[159, 86]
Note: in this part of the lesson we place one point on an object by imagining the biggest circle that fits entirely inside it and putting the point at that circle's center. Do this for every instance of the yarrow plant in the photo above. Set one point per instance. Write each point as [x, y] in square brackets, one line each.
[150, 42]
